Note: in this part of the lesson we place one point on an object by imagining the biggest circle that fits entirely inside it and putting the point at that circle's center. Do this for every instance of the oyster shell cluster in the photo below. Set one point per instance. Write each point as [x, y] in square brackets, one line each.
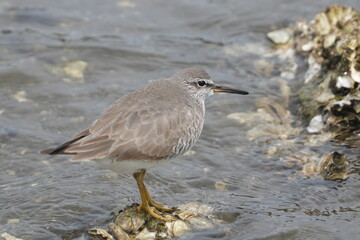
[132, 224]
[330, 97]
[333, 166]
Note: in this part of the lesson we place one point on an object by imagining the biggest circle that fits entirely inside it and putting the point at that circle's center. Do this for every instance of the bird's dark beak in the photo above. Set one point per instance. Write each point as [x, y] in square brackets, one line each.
[228, 90]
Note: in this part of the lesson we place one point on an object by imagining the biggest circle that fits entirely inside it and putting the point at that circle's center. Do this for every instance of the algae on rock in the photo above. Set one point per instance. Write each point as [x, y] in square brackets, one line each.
[133, 224]
[329, 98]
[333, 91]
[331, 43]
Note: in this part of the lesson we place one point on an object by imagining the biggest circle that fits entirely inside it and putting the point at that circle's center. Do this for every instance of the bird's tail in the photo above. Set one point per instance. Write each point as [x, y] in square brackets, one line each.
[60, 150]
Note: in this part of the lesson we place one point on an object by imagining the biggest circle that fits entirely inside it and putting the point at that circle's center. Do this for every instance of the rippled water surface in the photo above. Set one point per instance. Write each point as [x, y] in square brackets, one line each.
[124, 44]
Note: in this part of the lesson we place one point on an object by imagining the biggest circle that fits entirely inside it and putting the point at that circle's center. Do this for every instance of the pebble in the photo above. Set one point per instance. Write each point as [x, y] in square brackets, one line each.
[126, 4]
[316, 124]
[75, 69]
[279, 36]
[220, 186]
[13, 220]
[6, 236]
[20, 96]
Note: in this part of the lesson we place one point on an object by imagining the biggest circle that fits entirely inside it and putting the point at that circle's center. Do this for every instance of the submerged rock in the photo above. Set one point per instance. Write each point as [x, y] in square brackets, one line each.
[75, 69]
[6, 236]
[72, 72]
[332, 166]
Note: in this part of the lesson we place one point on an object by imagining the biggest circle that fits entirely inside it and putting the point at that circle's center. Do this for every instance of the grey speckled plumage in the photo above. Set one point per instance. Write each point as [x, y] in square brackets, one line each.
[159, 121]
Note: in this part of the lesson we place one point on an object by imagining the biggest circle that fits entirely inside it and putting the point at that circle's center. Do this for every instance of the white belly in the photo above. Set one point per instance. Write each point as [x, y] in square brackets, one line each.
[130, 166]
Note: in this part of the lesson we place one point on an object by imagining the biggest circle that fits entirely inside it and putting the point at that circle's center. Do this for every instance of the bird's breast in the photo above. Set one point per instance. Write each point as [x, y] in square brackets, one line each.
[194, 121]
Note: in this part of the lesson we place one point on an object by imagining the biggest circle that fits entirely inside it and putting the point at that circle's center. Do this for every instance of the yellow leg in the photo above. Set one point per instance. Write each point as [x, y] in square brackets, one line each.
[159, 206]
[147, 204]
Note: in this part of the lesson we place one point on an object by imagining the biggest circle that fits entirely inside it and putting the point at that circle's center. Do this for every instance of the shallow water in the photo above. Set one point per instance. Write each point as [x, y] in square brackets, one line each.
[125, 44]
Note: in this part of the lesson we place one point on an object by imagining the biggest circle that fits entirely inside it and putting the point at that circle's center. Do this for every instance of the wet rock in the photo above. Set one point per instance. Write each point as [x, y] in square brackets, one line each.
[72, 72]
[330, 96]
[20, 96]
[198, 223]
[130, 219]
[220, 186]
[264, 67]
[13, 220]
[118, 232]
[316, 124]
[6, 236]
[11, 173]
[126, 4]
[98, 234]
[193, 209]
[344, 82]
[177, 228]
[331, 85]
[279, 36]
[307, 47]
[271, 120]
[237, 50]
[313, 70]
[133, 224]
[75, 69]
[145, 234]
[332, 166]
[316, 140]
[271, 150]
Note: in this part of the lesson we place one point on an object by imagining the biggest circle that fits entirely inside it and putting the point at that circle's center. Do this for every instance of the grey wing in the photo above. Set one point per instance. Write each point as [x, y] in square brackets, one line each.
[140, 133]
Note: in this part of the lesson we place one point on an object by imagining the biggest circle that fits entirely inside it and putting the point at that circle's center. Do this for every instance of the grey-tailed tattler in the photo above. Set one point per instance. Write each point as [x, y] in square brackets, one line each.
[147, 128]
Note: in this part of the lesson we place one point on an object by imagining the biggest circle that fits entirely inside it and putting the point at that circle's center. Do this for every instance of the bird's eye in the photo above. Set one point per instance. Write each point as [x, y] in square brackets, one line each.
[201, 83]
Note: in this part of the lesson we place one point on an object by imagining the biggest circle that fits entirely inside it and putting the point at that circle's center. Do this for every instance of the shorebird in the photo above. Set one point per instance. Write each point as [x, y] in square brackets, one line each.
[147, 128]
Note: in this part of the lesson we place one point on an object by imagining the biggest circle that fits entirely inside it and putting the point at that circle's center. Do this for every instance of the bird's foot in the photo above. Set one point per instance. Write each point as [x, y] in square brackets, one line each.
[153, 212]
[161, 207]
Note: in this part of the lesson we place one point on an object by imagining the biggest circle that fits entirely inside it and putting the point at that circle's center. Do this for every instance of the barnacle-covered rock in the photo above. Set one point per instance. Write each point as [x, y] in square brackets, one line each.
[332, 166]
[99, 234]
[133, 224]
[270, 121]
[329, 99]
[331, 88]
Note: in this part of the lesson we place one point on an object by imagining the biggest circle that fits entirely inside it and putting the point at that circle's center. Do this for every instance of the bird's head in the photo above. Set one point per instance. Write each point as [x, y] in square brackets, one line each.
[199, 84]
